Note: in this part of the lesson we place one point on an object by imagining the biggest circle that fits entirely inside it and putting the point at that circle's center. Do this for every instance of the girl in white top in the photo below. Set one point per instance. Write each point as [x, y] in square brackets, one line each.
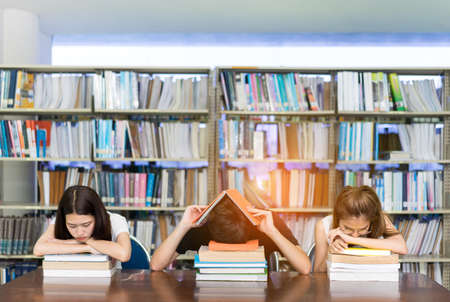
[357, 219]
[82, 225]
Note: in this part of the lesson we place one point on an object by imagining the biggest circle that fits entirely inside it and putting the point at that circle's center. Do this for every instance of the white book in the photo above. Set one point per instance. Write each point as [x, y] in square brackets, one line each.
[77, 257]
[336, 267]
[77, 273]
[364, 276]
[231, 277]
[258, 144]
[155, 93]
[233, 270]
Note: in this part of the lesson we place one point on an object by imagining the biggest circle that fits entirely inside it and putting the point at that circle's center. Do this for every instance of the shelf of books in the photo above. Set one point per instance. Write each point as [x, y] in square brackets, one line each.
[384, 128]
[138, 136]
[152, 141]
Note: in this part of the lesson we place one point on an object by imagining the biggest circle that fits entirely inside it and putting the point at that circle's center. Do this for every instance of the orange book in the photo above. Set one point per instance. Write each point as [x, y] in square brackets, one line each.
[251, 245]
[237, 199]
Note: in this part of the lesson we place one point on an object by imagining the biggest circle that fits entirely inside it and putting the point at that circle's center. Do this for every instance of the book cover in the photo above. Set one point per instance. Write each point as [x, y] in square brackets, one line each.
[237, 199]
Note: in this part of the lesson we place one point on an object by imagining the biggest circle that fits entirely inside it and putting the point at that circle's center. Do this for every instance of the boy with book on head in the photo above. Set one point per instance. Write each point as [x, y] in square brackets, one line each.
[228, 223]
[83, 225]
[357, 220]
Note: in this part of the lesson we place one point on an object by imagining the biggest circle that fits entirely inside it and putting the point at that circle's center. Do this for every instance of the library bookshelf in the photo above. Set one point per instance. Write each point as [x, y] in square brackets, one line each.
[330, 114]
[227, 106]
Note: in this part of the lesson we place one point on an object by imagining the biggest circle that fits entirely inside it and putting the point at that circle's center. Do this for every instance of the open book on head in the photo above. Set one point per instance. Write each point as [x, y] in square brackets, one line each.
[237, 199]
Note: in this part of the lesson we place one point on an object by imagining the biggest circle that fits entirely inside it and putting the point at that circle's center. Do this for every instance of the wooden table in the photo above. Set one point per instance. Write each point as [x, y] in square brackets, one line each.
[137, 286]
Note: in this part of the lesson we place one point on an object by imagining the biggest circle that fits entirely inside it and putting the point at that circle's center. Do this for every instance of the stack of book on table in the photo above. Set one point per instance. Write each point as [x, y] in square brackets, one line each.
[77, 265]
[231, 262]
[363, 264]
[248, 291]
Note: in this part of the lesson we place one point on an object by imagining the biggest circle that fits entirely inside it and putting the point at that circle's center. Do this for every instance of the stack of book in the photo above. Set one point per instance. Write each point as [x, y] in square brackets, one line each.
[208, 291]
[362, 264]
[77, 265]
[216, 263]
[231, 262]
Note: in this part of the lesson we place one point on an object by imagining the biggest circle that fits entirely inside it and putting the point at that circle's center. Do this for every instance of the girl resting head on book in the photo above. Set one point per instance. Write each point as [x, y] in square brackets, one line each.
[82, 225]
[358, 220]
[227, 224]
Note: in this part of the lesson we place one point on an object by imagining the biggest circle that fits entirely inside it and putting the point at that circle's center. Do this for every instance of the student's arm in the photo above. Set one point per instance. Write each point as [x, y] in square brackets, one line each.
[294, 253]
[120, 250]
[395, 243]
[166, 252]
[47, 244]
[321, 250]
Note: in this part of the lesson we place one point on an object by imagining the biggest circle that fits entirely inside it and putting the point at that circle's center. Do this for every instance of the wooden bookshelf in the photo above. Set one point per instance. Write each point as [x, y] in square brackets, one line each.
[251, 160]
[25, 257]
[109, 208]
[302, 210]
[98, 159]
[44, 159]
[393, 114]
[390, 162]
[280, 113]
[423, 258]
[37, 111]
[214, 112]
[152, 112]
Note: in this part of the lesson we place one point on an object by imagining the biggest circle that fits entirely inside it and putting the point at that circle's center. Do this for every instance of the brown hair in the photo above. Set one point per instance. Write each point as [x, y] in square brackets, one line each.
[362, 201]
[226, 223]
[82, 200]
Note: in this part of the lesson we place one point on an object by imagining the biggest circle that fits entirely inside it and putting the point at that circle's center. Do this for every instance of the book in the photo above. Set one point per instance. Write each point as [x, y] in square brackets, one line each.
[231, 256]
[232, 270]
[237, 199]
[363, 276]
[78, 273]
[77, 257]
[231, 277]
[76, 265]
[228, 264]
[360, 251]
[351, 259]
[250, 245]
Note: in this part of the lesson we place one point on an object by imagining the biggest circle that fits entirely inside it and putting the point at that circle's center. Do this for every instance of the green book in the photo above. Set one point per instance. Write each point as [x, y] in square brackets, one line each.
[396, 93]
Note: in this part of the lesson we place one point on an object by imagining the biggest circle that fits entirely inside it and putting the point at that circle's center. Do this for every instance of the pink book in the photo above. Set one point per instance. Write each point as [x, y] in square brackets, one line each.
[254, 92]
[11, 135]
[127, 188]
[137, 177]
[142, 188]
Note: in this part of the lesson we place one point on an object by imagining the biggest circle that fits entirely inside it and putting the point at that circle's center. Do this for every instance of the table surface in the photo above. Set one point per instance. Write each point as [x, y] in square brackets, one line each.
[143, 285]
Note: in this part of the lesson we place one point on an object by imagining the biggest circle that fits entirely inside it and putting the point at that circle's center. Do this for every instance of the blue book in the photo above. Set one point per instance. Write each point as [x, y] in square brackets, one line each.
[4, 140]
[248, 84]
[121, 189]
[198, 263]
[282, 90]
[350, 146]
[376, 142]
[295, 101]
[149, 191]
[221, 139]
[12, 88]
[342, 132]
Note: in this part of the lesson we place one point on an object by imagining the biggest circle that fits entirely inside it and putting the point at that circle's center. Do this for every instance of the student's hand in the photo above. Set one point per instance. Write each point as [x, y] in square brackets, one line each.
[67, 241]
[90, 249]
[338, 233]
[266, 226]
[337, 245]
[189, 215]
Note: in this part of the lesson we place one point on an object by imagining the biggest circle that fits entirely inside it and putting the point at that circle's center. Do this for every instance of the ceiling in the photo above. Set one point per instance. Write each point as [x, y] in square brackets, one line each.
[63, 17]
